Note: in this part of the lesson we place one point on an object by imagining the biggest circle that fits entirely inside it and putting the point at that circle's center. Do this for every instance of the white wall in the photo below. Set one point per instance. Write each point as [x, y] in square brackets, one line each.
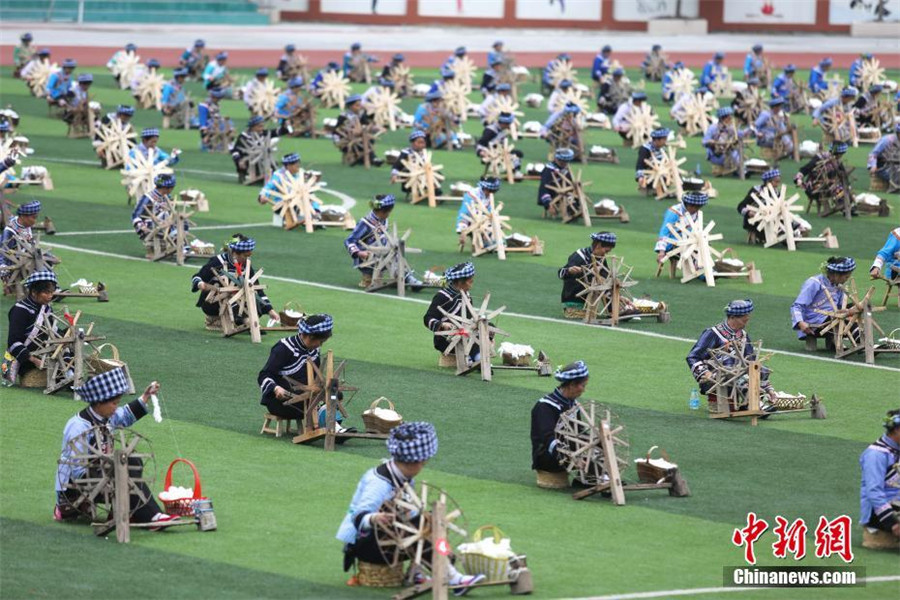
[645, 10]
[483, 9]
[800, 12]
[840, 13]
[364, 7]
[575, 10]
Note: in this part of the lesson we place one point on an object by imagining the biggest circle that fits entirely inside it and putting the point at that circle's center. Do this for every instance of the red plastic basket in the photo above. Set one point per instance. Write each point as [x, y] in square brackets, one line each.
[183, 506]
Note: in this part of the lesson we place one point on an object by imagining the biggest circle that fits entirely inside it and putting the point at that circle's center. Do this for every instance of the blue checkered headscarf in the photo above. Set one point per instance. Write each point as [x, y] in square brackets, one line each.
[29, 208]
[576, 370]
[638, 96]
[776, 102]
[739, 308]
[256, 120]
[352, 99]
[149, 132]
[770, 175]
[503, 87]
[289, 159]
[435, 95]
[416, 134]
[124, 109]
[104, 387]
[412, 442]
[164, 181]
[238, 245]
[604, 237]
[295, 82]
[848, 92]
[725, 111]
[69, 64]
[506, 118]
[85, 78]
[383, 201]
[840, 264]
[316, 324]
[572, 108]
[659, 134]
[695, 199]
[262, 71]
[40, 276]
[838, 148]
[564, 154]
[489, 184]
[461, 271]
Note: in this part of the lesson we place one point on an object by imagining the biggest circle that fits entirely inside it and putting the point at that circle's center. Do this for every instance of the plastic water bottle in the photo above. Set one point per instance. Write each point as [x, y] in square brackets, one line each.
[694, 402]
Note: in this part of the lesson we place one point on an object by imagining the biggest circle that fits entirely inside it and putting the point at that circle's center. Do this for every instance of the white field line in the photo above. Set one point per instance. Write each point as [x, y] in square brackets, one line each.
[346, 290]
[346, 201]
[711, 590]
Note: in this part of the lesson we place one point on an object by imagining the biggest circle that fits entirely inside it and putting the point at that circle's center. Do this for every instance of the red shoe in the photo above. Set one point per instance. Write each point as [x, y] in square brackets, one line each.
[162, 521]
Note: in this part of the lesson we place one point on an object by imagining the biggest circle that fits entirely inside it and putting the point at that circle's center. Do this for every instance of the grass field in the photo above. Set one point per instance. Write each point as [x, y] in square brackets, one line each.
[279, 505]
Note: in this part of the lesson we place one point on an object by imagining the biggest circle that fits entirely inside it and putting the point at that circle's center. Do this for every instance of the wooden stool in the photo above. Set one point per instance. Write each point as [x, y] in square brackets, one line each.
[447, 361]
[879, 540]
[811, 342]
[876, 183]
[768, 154]
[372, 575]
[552, 480]
[34, 378]
[282, 425]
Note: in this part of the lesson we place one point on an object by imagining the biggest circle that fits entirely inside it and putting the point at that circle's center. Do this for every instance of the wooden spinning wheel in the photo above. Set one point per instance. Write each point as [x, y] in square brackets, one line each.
[852, 324]
[114, 141]
[61, 348]
[798, 99]
[691, 241]
[891, 162]
[178, 116]
[104, 492]
[383, 105]
[408, 534]
[469, 328]
[261, 151]
[402, 78]
[664, 174]
[140, 172]
[421, 177]
[735, 375]
[387, 260]
[456, 99]
[558, 70]
[748, 106]
[464, 71]
[505, 104]
[499, 160]
[774, 216]
[592, 447]
[219, 134]
[294, 197]
[355, 140]
[149, 90]
[82, 119]
[839, 125]
[334, 89]
[238, 302]
[683, 82]
[641, 120]
[38, 76]
[871, 73]
[722, 85]
[569, 201]
[829, 187]
[573, 96]
[297, 64]
[21, 261]
[262, 98]
[697, 113]
[567, 132]
[606, 291]
[169, 233]
[483, 226]
[302, 121]
[125, 66]
[656, 66]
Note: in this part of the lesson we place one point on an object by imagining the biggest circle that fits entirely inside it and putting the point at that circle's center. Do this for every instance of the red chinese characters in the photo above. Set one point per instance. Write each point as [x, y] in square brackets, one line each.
[833, 537]
[748, 535]
[791, 538]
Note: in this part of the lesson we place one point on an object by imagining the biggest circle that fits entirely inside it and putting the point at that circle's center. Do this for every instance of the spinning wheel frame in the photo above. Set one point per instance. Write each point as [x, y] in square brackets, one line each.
[149, 90]
[641, 121]
[422, 177]
[334, 90]
[578, 433]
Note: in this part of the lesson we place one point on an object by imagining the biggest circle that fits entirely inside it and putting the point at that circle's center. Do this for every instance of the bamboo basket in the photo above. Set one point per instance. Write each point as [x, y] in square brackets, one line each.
[648, 473]
[494, 569]
[723, 267]
[372, 575]
[375, 424]
[287, 320]
[33, 378]
[97, 364]
[891, 341]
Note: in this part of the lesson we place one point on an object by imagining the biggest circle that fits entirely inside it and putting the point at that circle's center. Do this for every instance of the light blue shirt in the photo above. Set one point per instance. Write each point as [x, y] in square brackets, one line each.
[888, 258]
[376, 487]
[879, 483]
[812, 297]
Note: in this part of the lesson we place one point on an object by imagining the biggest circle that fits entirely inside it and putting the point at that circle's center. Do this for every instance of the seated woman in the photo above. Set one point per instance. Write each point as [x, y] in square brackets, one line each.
[691, 204]
[573, 379]
[103, 393]
[460, 279]
[372, 229]
[487, 187]
[814, 295]
[887, 261]
[25, 319]
[880, 487]
[410, 445]
[231, 263]
[729, 331]
[747, 207]
[579, 261]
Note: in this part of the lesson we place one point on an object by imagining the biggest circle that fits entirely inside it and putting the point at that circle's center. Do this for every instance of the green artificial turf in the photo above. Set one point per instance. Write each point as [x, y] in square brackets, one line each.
[279, 505]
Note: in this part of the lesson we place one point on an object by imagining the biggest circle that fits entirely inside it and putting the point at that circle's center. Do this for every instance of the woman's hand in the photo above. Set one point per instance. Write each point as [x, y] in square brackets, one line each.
[281, 393]
[151, 390]
[805, 328]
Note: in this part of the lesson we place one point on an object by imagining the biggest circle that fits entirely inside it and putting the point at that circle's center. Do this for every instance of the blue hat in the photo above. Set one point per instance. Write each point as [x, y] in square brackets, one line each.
[324, 324]
[565, 84]
[739, 308]
[659, 134]
[262, 72]
[222, 56]
[199, 43]
[295, 82]
[876, 88]
[770, 175]
[352, 99]
[719, 55]
[577, 370]
[69, 63]
[412, 442]
[416, 134]
[85, 78]
[164, 181]
[289, 159]
[386, 82]
[753, 81]
[447, 72]
[618, 71]
[790, 68]
[461, 51]
[757, 47]
[398, 57]
[149, 132]
[606, 48]
[867, 55]
[776, 101]
[333, 65]
[564, 154]
[355, 46]
[4, 126]
[461, 271]
[564, 56]
[604, 237]
[29, 208]
[655, 47]
[130, 47]
[497, 43]
[848, 92]
[26, 37]
[638, 96]
[239, 245]
[838, 148]
[435, 95]
[124, 109]
[695, 199]
[218, 93]
[572, 108]
[44, 275]
[506, 118]
[153, 63]
[725, 111]
[679, 64]
[503, 87]
[825, 62]
[290, 48]
[104, 387]
[180, 73]
[383, 201]
[842, 264]
[490, 184]
[255, 120]
[44, 52]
